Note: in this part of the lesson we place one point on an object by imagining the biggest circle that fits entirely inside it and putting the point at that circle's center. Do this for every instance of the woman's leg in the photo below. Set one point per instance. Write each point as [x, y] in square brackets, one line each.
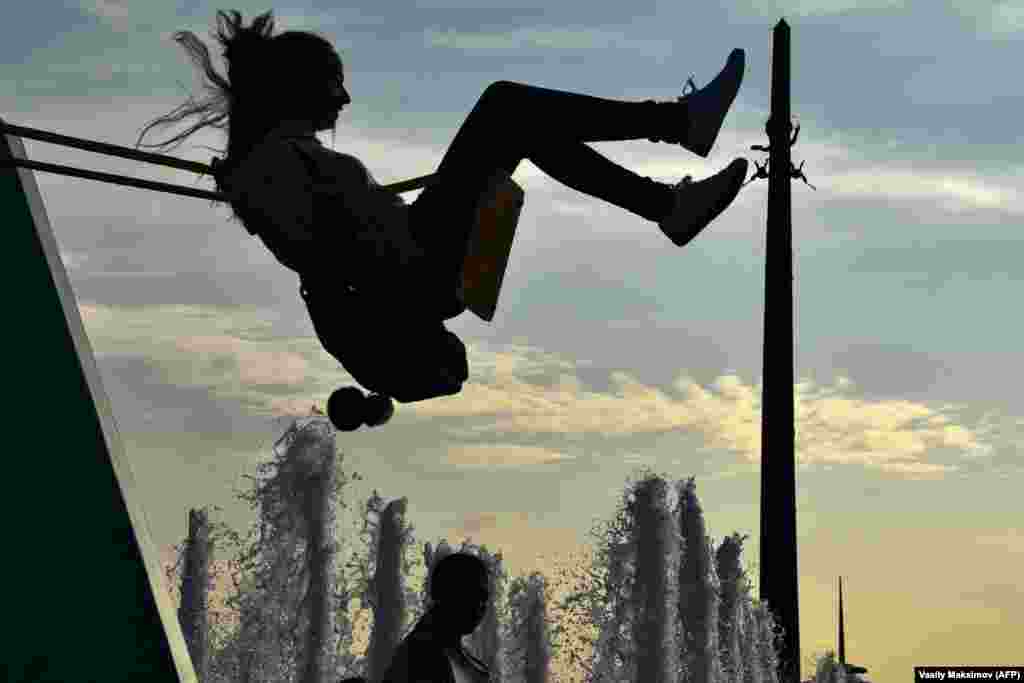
[604, 179]
[511, 122]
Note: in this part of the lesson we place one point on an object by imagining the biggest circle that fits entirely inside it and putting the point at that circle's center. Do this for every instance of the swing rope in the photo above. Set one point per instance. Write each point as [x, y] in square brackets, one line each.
[148, 157]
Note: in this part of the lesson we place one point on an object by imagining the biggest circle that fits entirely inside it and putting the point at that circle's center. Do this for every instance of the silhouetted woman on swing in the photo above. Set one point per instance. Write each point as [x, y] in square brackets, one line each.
[379, 276]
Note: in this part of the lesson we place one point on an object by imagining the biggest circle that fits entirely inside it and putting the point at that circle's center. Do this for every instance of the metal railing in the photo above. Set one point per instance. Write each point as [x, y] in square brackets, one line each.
[148, 157]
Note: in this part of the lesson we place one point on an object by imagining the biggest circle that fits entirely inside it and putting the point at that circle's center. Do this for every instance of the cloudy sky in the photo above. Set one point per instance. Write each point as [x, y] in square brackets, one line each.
[612, 349]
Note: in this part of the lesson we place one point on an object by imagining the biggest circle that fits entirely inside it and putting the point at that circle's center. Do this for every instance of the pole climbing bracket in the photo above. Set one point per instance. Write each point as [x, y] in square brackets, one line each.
[794, 171]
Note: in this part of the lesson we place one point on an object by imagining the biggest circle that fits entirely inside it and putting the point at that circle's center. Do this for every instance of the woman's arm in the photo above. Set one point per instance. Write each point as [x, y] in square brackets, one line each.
[378, 219]
[337, 224]
[274, 187]
[386, 263]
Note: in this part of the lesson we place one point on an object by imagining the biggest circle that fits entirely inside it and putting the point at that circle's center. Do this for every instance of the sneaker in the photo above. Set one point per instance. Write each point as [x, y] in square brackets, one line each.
[697, 204]
[706, 108]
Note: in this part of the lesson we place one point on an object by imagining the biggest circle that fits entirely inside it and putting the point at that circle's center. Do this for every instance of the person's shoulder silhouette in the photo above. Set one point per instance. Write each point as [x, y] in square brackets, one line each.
[433, 651]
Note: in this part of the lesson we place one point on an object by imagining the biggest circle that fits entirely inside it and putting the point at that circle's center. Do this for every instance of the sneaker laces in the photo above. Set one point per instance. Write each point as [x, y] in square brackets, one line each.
[672, 139]
[693, 88]
[676, 199]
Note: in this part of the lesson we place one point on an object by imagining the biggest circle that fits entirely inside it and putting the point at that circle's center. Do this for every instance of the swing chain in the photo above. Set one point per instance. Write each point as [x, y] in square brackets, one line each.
[796, 172]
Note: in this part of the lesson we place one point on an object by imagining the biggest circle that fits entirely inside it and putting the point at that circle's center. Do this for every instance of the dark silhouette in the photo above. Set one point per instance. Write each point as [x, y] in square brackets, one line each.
[779, 578]
[760, 174]
[796, 172]
[379, 277]
[433, 651]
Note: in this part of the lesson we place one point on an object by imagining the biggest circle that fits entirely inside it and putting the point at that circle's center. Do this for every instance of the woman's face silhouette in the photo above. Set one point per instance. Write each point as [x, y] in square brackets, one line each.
[336, 99]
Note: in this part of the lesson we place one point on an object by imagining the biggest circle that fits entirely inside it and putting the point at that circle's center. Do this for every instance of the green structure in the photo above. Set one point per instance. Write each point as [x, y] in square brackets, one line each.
[85, 598]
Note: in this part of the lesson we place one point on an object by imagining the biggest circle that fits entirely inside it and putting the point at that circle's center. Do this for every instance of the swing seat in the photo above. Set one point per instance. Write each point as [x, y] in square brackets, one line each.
[489, 246]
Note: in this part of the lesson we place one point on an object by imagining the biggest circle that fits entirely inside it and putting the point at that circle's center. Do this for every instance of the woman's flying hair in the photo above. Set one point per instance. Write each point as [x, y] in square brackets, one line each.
[268, 78]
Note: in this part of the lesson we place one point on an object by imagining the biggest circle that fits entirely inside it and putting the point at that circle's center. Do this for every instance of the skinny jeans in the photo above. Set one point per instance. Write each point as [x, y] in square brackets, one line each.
[514, 121]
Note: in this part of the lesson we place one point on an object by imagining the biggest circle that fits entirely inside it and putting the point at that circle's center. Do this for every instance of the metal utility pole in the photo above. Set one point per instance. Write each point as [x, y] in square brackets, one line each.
[778, 575]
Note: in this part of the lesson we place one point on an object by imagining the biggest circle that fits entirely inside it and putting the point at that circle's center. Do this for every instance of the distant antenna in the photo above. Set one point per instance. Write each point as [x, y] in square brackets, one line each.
[849, 668]
[842, 631]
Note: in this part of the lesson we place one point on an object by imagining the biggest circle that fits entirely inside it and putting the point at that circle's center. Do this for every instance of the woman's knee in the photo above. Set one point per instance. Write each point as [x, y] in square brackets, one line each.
[501, 91]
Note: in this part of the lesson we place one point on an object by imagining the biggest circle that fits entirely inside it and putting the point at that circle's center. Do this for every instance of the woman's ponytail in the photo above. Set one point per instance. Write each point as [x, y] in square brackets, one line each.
[247, 51]
[268, 77]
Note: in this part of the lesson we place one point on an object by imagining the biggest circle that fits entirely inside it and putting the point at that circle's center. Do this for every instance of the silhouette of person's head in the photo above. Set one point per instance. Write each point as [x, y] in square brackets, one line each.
[313, 87]
[320, 94]
[460, 590]
[292, 75]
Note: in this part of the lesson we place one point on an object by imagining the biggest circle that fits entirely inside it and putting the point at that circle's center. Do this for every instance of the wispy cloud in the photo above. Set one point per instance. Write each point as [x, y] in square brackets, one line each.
[114, 11]
[1007, 18]
[525, 39]
[951, 192]
[520, 392]
[498, 456]
[815, 8]
[835, 425]
[232, 354]
[1012, 539]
